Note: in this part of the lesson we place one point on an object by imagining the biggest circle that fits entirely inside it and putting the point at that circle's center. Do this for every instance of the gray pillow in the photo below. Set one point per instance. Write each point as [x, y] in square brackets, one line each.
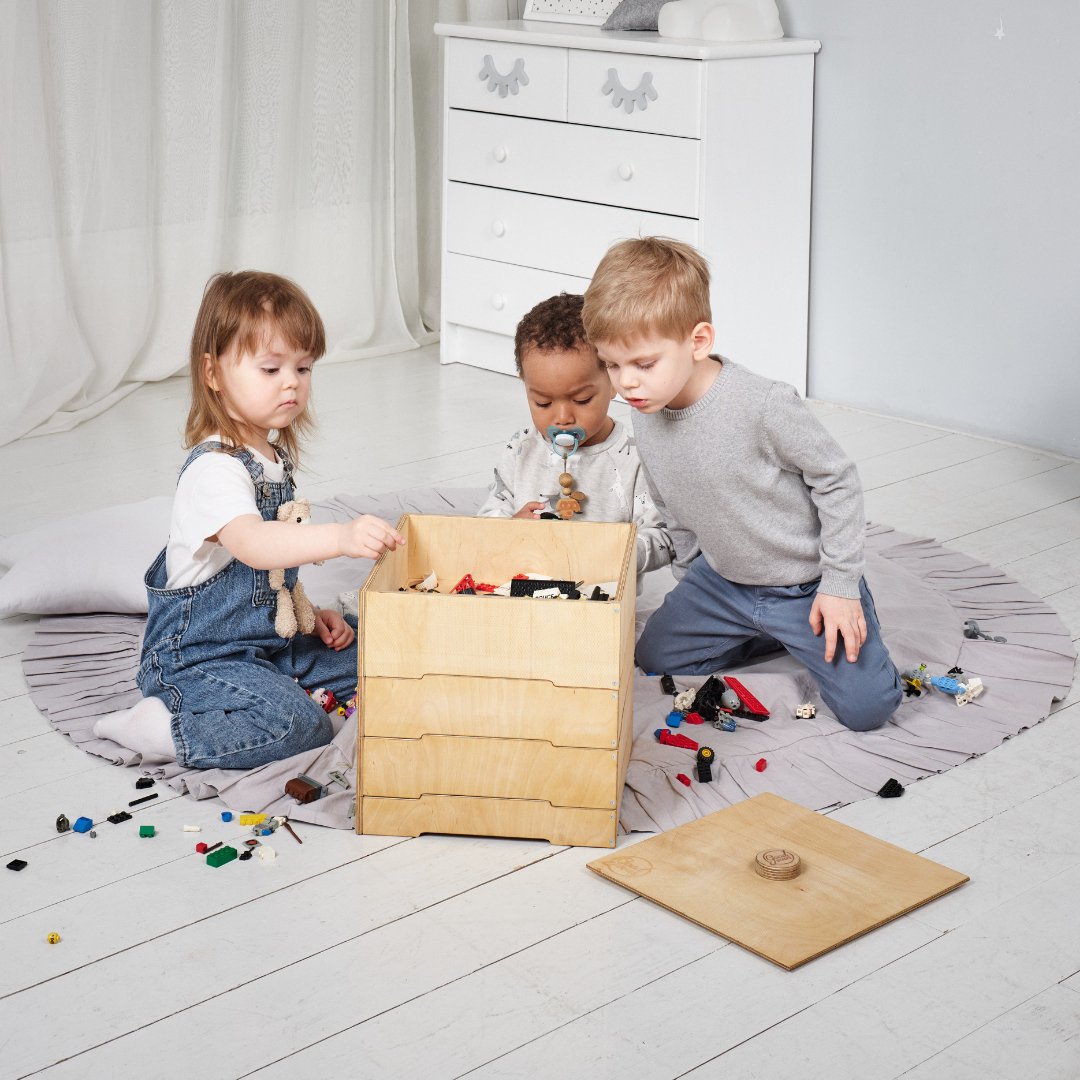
[634, 15]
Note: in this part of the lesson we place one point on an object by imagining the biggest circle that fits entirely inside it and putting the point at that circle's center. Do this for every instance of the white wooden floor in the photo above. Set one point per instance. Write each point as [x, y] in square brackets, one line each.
[444, 957]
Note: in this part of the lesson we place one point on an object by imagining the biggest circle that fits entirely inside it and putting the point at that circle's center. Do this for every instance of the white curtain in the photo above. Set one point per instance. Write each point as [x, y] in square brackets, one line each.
[147, 145]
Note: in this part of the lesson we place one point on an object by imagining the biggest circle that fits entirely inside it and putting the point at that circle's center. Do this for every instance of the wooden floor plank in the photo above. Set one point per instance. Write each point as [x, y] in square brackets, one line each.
[1039, 1038]
[1006, 856]
[925, 1001]
[346, 956]
[20, 720]
[923, 459]
[1023, 536]
[680, 1020]
[492, 1011]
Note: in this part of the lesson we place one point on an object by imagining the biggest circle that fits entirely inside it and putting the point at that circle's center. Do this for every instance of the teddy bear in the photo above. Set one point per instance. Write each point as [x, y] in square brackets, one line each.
[294, 610]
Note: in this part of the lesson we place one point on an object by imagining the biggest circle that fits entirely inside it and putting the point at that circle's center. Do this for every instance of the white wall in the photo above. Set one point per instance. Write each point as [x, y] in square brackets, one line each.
[945, 266]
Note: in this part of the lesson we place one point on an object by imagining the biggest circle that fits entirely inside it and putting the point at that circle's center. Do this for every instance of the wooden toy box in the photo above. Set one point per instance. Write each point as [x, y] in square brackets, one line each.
[489, 715]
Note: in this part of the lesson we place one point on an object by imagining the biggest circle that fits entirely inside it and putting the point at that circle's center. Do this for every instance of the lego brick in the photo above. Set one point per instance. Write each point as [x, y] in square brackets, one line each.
[221, 856]
[146, 830]
[252, 819]
[83, 824]
[303, 789]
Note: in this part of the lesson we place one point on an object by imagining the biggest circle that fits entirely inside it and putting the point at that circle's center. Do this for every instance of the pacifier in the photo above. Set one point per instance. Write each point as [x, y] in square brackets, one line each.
[565, 440]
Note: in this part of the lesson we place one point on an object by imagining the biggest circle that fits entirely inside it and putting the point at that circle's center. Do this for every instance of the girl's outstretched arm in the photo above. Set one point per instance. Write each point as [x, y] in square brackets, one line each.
[270, 545]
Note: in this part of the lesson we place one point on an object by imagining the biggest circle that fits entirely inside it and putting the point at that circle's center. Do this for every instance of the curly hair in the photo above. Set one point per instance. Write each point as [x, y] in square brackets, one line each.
[554, 324]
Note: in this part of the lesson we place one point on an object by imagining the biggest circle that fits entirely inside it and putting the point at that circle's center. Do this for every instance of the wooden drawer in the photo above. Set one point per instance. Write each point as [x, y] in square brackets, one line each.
[491, 768]
[550, 234]
[602, 165]
[567, 643]
[636, 93]
[493, 296]
[519, 80]
[490, 817]
[492, 707]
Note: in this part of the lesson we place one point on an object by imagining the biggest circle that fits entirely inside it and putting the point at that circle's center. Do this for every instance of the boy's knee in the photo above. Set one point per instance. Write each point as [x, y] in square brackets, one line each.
[867, 712]
[647, 658]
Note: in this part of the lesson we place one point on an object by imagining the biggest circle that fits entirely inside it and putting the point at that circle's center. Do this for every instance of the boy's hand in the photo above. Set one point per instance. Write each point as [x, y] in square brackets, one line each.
[368, 537]
[333, 630]
[530, 510]
[838, 615]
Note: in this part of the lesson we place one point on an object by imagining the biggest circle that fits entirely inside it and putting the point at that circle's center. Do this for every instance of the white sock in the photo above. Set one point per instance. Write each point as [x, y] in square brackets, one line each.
[145, 728]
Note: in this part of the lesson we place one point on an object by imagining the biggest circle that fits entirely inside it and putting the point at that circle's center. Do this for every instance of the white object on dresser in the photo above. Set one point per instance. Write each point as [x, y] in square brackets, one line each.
[560, 140]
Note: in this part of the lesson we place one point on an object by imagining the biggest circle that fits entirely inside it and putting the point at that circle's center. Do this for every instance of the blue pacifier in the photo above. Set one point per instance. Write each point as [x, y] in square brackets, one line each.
[565, 440]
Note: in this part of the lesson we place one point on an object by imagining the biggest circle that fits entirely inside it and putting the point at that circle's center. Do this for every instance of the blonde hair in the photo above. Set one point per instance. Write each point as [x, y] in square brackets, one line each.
[247, 308]
[651, 285]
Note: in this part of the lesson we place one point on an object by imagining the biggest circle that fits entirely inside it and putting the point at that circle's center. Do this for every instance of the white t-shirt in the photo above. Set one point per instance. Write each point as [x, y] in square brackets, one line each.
[213, 490]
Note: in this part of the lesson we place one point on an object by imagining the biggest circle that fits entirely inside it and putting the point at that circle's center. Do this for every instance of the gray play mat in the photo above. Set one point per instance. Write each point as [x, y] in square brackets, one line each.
[79, 667]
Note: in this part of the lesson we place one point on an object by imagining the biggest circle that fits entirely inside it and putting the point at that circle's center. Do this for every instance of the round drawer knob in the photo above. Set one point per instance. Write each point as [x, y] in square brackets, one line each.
[626, 171]
[500, 153]
[498, 228]
[498, 301]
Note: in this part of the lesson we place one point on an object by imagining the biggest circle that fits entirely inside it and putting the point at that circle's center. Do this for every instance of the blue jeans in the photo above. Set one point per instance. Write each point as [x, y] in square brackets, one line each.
[234, 687]
[707, 623]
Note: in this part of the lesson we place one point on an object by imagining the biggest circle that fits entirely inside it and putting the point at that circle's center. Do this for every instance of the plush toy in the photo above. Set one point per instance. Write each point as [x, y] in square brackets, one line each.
[294, 610]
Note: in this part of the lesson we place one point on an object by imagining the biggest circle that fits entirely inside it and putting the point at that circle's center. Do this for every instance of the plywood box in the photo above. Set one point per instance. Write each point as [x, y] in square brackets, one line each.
[488, 715]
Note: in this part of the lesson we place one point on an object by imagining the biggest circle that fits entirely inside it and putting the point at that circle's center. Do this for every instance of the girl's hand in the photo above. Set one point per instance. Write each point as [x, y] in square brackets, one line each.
[368, 537]
[530, 510]
[333, 630]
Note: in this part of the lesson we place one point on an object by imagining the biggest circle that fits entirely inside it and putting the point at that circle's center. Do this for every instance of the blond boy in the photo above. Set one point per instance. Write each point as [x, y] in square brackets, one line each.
[765, 508]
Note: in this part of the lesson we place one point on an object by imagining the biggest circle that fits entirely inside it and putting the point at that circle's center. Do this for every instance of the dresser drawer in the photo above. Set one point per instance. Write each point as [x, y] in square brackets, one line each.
[549, 234]
[602, 165]
[492, 768]
[636, 93]
[493, 296]
[519, 80]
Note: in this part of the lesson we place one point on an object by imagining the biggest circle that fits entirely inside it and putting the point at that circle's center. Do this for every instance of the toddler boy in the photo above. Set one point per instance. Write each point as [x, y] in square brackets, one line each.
[567, 388]
[765, 508]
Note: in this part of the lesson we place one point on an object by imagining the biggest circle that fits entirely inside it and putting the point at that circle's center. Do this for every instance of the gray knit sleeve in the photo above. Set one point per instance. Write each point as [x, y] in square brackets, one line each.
[683, 543]
[801, 444]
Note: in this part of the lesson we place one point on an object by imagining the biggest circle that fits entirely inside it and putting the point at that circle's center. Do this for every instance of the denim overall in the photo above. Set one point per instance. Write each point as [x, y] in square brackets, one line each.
[211, 654]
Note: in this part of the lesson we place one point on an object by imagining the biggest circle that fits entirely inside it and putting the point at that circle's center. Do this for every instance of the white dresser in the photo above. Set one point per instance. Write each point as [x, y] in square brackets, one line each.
[561, 139]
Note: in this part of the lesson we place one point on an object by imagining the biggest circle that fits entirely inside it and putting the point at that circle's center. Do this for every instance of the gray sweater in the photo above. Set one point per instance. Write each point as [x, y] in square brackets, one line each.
[608, 474]
[750, 478]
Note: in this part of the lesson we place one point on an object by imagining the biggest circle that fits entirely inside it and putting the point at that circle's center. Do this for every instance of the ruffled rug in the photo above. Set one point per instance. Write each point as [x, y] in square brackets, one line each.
[80, 667]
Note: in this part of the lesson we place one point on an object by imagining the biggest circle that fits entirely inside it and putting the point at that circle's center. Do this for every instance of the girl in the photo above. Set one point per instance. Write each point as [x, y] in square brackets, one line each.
[221, 688]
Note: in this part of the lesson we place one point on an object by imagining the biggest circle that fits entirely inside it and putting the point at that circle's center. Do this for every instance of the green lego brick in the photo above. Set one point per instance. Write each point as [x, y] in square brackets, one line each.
[146, 830]
[221, 856]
